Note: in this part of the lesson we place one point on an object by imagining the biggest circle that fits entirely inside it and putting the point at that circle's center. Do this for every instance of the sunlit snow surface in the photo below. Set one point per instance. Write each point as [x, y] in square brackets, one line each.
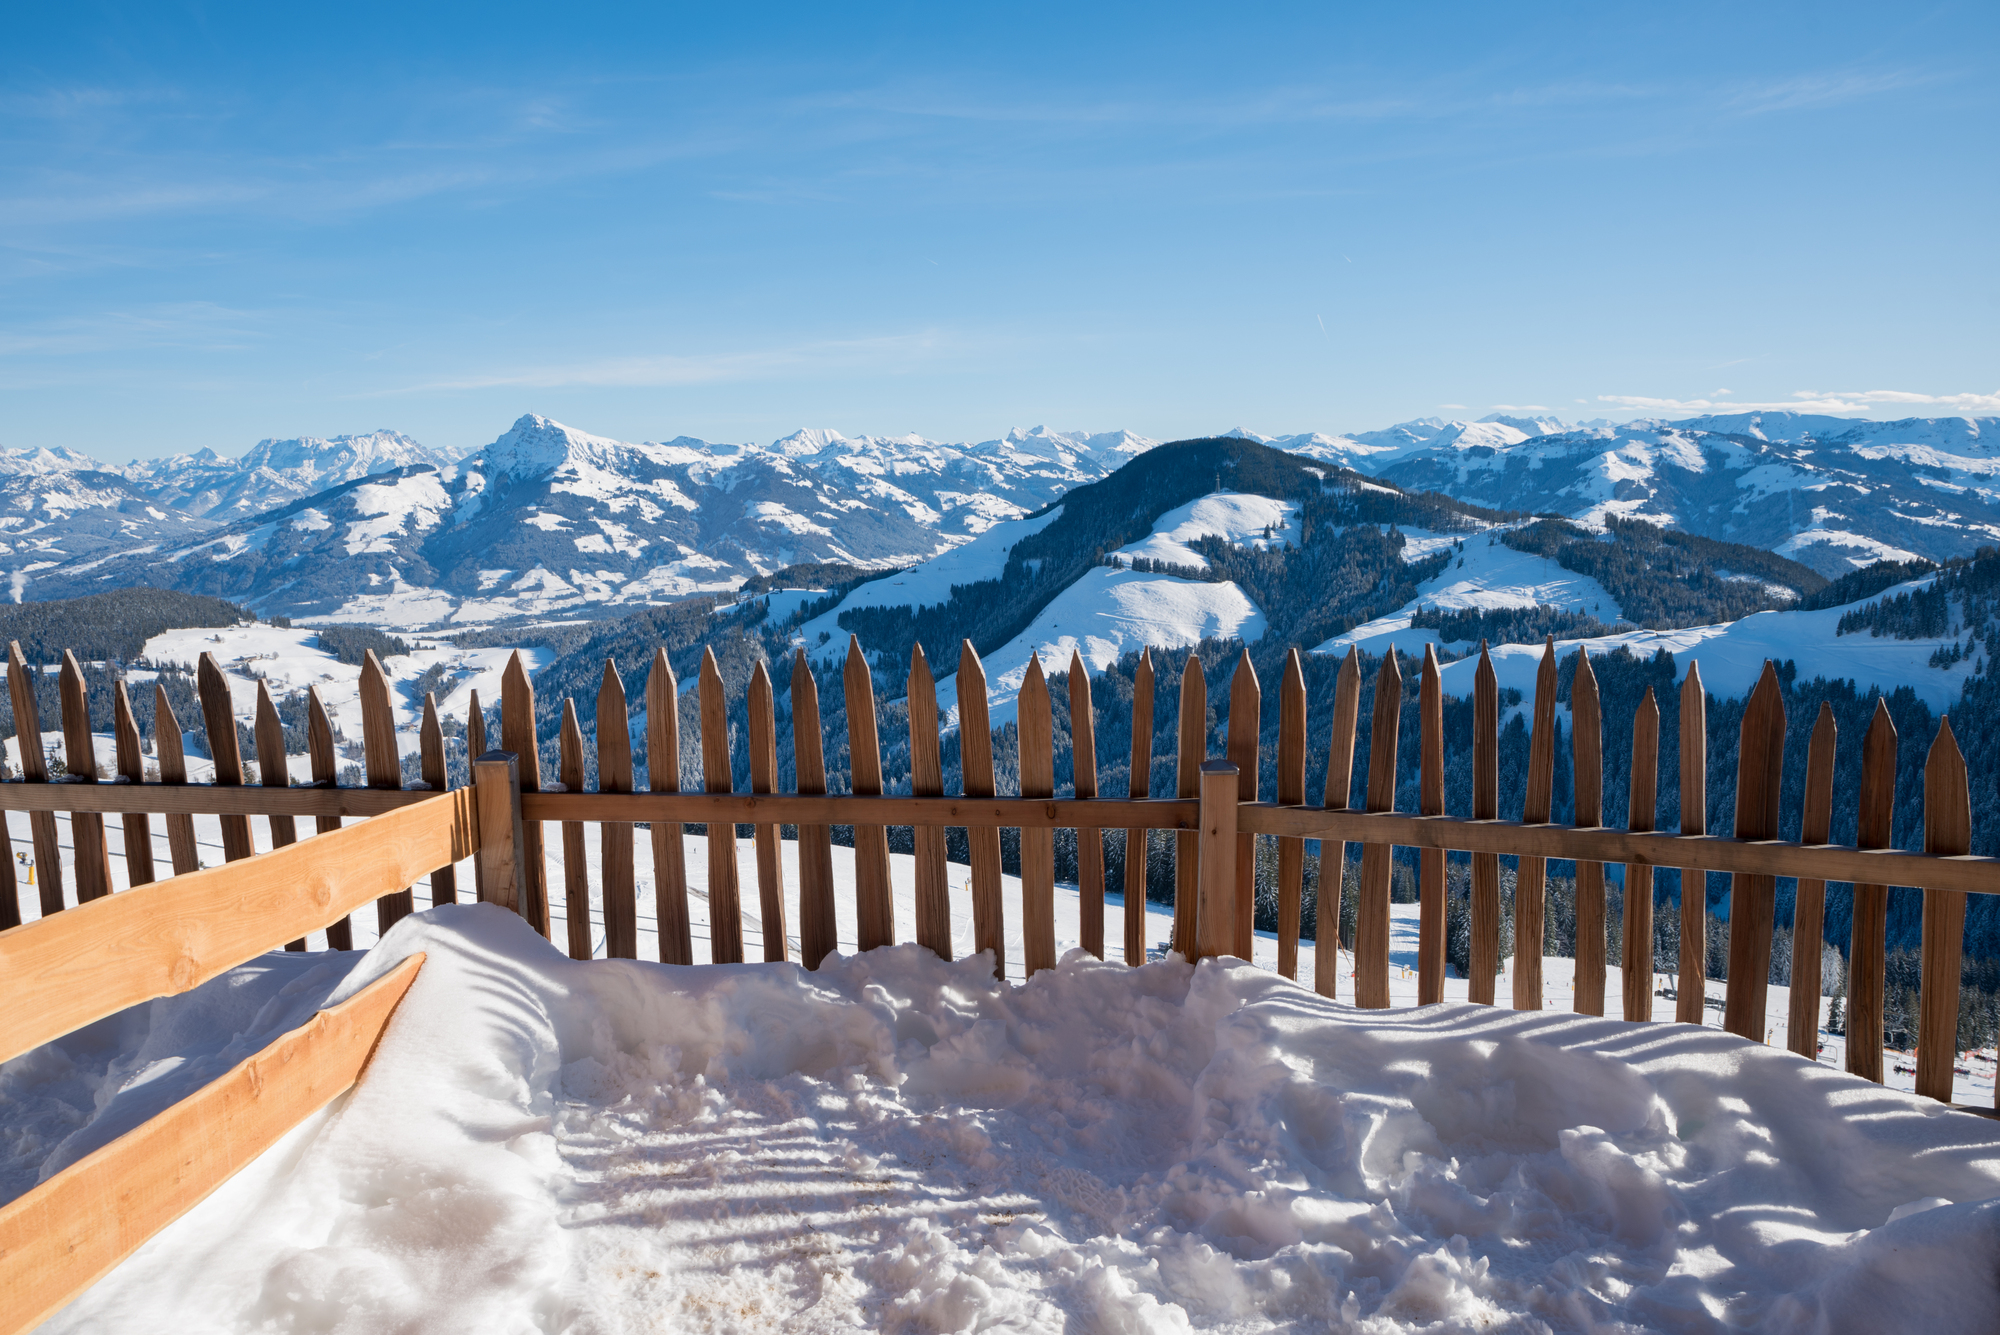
[899, 1143]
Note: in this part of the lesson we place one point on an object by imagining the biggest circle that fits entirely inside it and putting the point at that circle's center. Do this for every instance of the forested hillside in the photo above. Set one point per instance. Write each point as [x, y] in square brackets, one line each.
[115, 624]
[1663, 578]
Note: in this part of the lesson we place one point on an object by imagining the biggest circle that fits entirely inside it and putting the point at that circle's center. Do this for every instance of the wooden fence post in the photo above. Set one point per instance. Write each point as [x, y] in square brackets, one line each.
[1809, 908]
[475, 746]
[818, 931]
[1291, 793]
[1246, 707]
[325, 772]
[1587, 783]
[576, 865]
[874, 906]
[1038, 852]
[86, 828]
[1531, 873]
[1430, 802]
[35, 769]
[1371, 909]
[1484, 905]
[663, 775]
[614, 837]
[1947, 833]
[1691, 996]
[496, 783]
[1216, 933]
[274, 772]
[218, 717]
[725, 905]
[437, 776]
[1760, 777]
[517, 734]
[1641, 811]
[975, 758]
[1191, 752]
[132, 767]
[1089, 842]
[764, 780]
[933, 906]
[1338, 796]
[385, 768]
[1874, 822]
[1140, 779]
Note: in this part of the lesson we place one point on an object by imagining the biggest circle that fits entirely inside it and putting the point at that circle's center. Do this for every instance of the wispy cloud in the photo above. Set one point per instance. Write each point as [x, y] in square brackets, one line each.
[1822, 90]
[1832, 402]
[190, 324]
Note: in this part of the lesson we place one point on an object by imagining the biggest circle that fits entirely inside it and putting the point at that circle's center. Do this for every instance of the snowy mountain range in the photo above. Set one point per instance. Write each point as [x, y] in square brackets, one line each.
[549, 519]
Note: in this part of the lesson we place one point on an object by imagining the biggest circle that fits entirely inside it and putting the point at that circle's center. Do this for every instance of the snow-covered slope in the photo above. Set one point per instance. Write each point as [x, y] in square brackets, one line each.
[275, 472]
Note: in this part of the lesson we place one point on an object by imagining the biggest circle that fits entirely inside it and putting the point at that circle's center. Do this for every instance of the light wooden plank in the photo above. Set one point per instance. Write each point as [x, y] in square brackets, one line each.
[764, 779]
[168, 745]
[933, 892]
[1760, 776]
[975, 761]
[131, 768]
[1089, 840]
[1641, 813]
[1038, 851]
[1190, 751]
[725, 904]
[1371, 909]
[1809, 903]
[272, 772]
[1430, 802]
[517, 734]
[663, 775]
[576, 864]
[818, 935]
[1587, 781]
[1139, 785]
[1947, 832]
[1291, 792]
[162, 939]
[874, 905]
[437, 778]
[383, 763]
[218, 717]
[1215, 934]
[1531, 875]
[1691, 988]
[614, 837]
[86, 829]
[35, 770]
[1874, 824]
[1338, 796]
[70, 1231]
[1246, 704]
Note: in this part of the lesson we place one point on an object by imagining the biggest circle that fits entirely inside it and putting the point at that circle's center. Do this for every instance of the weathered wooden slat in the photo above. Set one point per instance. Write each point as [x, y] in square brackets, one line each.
[1691, 991]
[1190, 752]
[933, 891]
[1484, 905]
[383, 763]
[1641, 813]
[1430, 802]
[1089, 841]
[874, 906]
[1531, 875]
[1215, 934]
[159, 940]
[496, 789]
[663, 775]
[517, 734]
[1139, 785]
[35, 769]
[1291, 793]
[1947, 833]
[576, 865]
[1760, 774]
[764, 779]
[1809, 905]
[818, 931]
[1338, 796]
[1038, 850]
[975, 759]
[168, 745]
[614, 837]
[218, 717]
[131, 768]
[437, 777]
[86, 829]
[475, 747]
[1874, 825]
[1371, 909]
[1246, 706]
[273, 772]
[1587, 779]
[725, 904]
[68, 1232]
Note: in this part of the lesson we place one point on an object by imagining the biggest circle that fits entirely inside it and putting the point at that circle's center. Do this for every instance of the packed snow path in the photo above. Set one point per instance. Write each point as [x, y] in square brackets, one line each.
[899, 1143]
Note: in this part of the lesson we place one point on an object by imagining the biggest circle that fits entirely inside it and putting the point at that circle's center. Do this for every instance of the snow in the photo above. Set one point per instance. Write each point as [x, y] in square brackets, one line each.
[1237, 517]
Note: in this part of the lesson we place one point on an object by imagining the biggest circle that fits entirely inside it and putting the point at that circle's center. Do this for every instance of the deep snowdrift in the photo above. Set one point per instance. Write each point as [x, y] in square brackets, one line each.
[896, 1142]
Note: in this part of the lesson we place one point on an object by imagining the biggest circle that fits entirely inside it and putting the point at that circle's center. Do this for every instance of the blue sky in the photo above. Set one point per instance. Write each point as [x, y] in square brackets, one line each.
[220, 223]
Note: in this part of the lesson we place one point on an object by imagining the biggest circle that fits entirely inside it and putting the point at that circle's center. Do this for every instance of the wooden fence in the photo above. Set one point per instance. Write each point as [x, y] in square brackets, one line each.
[169, 933]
